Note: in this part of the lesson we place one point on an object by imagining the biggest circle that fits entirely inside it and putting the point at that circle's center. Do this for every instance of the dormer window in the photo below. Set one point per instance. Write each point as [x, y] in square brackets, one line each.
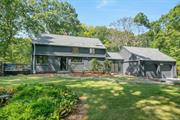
[75, 50]
[92, 51]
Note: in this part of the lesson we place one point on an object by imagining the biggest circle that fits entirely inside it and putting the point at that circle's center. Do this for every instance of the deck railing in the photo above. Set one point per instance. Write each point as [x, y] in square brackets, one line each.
[8, 69]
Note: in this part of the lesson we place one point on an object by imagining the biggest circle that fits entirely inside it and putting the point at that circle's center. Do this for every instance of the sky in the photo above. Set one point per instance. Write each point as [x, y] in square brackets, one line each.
[104, 12]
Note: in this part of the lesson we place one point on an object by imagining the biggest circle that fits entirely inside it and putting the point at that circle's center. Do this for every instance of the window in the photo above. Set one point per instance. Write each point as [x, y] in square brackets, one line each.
[42, 59]
[76, 59]
[92, 51]
[75, 50]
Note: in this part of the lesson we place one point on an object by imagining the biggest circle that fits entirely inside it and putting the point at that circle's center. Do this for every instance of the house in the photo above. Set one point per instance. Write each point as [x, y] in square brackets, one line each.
[61, 53]
[147, 62]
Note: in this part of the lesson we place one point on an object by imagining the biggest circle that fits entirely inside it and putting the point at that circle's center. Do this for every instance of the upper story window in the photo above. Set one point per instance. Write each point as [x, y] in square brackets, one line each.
[92, 51]
[75, 50]
[42, 59]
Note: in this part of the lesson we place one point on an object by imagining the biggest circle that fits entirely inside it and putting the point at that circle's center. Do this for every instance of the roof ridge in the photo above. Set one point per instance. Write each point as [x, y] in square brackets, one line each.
[140, 47]
[69, 36]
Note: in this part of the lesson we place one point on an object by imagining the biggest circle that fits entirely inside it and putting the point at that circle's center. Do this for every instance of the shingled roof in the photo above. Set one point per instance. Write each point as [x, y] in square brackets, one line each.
[64, 40]
[149, 54]
[114, 56]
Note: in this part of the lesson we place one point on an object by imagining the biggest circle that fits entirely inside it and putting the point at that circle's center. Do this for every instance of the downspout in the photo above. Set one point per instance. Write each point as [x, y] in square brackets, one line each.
[34, 51]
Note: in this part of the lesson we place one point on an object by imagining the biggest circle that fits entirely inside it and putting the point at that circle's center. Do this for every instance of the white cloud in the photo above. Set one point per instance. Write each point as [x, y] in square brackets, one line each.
[102, 3]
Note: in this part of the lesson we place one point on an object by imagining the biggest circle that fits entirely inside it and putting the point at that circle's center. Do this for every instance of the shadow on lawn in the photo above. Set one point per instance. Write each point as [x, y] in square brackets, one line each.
[110, 101]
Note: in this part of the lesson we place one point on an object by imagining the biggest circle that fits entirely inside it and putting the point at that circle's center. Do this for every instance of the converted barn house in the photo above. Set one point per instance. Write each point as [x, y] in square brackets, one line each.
[60, 53]
[147, 62]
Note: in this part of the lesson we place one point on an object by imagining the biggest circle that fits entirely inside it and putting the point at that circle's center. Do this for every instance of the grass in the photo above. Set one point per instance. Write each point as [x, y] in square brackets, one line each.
[114, 98]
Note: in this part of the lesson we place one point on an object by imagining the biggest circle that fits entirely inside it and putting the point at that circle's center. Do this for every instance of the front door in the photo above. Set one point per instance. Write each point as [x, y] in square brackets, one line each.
[63, 64]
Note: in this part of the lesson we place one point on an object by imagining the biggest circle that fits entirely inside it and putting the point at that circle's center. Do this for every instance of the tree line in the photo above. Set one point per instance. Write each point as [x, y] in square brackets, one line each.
[22, 20]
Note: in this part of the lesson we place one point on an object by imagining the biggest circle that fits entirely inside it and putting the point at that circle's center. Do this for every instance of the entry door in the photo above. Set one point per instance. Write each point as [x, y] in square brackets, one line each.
[63, 64]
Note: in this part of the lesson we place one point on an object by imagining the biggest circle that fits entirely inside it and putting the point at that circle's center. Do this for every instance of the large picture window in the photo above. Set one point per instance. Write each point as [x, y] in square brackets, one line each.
[42, 59]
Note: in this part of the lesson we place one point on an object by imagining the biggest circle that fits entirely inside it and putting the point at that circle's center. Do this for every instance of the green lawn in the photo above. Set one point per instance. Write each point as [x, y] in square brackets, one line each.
[115, 98]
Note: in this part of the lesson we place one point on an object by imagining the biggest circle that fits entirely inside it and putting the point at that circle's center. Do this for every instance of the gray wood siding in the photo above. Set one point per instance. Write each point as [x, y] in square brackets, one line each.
[80, 66]
[126, 55]
[52, 50]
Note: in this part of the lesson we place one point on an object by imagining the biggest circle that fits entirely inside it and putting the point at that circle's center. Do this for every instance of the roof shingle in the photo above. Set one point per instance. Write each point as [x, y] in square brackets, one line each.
[149, 53]
[114, 56]
[63, 40]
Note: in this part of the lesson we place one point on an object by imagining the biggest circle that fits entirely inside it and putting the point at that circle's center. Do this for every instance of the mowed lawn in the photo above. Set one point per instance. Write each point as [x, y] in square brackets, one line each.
[114, 98]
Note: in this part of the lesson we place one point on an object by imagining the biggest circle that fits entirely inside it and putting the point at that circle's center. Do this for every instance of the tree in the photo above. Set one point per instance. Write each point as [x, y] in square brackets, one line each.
[123, 34]
[19, 51]
[124, 24]
[142, 20]
[167, 34]
[31, 17]
[101, 32]
[53, 16]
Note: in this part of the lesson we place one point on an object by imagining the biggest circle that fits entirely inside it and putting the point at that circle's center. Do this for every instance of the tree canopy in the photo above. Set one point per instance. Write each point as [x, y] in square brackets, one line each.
[30, 17]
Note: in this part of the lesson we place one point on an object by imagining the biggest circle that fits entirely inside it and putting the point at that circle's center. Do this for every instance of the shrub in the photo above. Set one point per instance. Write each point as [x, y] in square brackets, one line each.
[40, 102]
[7, 90]
[107, 66]
[96, 65]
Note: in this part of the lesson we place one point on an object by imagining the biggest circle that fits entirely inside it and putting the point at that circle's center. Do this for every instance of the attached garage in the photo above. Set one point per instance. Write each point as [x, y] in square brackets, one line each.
[151, 62]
